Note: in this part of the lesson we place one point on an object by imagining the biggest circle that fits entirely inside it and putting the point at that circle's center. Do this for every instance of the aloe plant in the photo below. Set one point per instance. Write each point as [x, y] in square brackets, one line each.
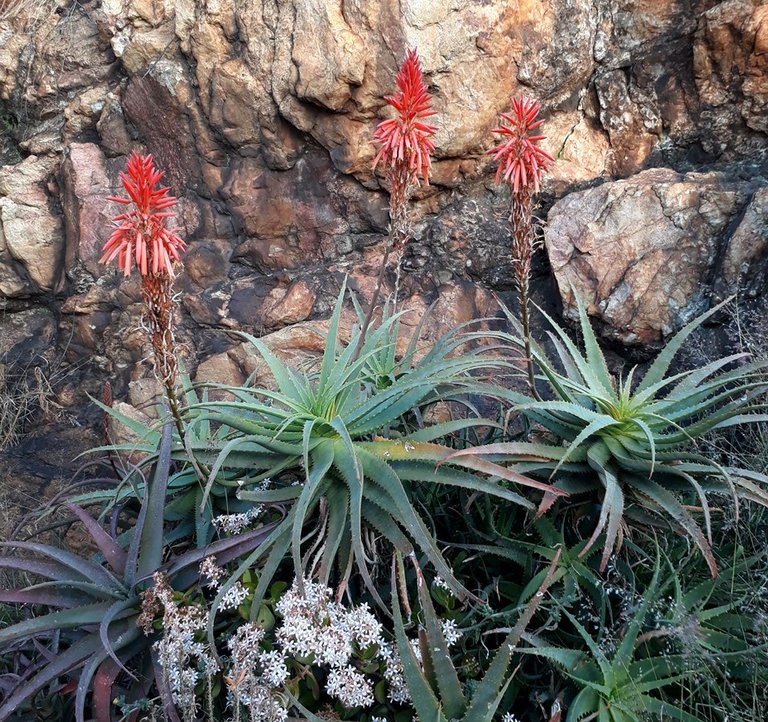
[433, 681]
[346, 440]
[635, 444]
[184, 492]
[619, 686]
[94, 605]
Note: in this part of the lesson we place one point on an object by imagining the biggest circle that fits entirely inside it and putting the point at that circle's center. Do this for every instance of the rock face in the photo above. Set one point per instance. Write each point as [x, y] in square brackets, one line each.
[261, 113]
[646, 253]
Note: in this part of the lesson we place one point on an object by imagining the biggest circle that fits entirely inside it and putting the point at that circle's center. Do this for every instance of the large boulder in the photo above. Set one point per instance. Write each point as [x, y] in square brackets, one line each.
[645, 253]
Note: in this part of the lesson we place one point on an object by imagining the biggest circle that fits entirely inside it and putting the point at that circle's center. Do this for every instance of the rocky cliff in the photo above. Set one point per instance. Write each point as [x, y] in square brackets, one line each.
[262, 112]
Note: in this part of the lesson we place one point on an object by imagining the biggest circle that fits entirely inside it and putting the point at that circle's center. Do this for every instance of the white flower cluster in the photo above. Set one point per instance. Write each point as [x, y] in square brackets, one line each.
[255, 675]
[314, 626]
[451, 632]
[210, 569]
[233, 597]
[235, 523]
[509, 717]
[394, 674]
[183, 659]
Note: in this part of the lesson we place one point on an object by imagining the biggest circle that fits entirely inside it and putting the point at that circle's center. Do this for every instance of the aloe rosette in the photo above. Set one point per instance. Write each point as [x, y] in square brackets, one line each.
[634, 446]
[95, 605]
[344, 441]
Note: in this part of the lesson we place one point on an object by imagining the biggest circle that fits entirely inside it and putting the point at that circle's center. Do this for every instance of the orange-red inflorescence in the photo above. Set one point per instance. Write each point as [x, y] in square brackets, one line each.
[141, 234]
[521, 160]
[406, 138]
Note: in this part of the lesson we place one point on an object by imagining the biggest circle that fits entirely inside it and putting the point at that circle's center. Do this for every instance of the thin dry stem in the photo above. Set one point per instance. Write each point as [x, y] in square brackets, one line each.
[158, 302]
[523, 246]
[402, 183]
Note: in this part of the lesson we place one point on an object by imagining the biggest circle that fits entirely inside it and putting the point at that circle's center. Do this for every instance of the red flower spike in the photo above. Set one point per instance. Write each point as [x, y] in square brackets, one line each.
[406, 138]
[521, 161]
[141, 234]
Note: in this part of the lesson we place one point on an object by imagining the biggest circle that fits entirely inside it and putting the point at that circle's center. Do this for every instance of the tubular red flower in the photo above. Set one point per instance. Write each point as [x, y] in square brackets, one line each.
[522, 162]
[141, 234]
[406, 138]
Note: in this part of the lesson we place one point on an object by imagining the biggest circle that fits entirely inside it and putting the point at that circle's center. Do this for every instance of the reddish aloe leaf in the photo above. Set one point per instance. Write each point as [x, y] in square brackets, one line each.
[103, 681]
[64, 663]
[88, 571]
[46, 597]
[112, 551]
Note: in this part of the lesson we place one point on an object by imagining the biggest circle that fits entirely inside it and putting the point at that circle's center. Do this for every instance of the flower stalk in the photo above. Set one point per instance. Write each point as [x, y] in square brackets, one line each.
[141, 236]
[522, 162]
[406, 153]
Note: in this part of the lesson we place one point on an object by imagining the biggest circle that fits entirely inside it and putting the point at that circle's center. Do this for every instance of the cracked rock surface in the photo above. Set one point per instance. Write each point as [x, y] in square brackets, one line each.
[261, 112]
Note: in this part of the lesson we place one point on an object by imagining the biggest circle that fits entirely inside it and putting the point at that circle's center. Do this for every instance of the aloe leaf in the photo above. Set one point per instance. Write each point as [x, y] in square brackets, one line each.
[84, 591]
[487, 693]
[61, 664]
[591, 429]
[667, 501]
[48, 569]
[416, 471]
[424, 701]
[591, 376]
[388, 480]
[116, 611]
[104, 679]
[64, 619]
[665, 709]
[594, 355]
[274, 547]
[112, 551]
[322, 458]
[488, 467]
[147, 544]
[84, 569]
[271, 496]
[337, 497]
[436, 431]
[119, 642]
[519, 451]
[453, 702]
[513, 555]
[142, 431]
[329, 355]
[584, 704]
[221, 458]
[184, 569]
[346, 461]
[382, 521]
[284, 382]
[399, 451]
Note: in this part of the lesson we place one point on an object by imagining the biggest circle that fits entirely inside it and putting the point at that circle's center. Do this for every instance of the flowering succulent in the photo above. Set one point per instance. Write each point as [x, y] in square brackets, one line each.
[406, 139]
[141, 233]
[521, 165]
[521, 160]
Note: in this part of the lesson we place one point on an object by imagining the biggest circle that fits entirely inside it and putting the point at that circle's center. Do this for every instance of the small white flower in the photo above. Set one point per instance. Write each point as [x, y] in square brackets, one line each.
[451, 632]
[233, 597]
[211, 570]
[350, 687]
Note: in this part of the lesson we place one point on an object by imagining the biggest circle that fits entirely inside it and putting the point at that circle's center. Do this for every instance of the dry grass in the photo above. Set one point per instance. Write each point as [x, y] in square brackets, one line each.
[31, 11]
[25, 392]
